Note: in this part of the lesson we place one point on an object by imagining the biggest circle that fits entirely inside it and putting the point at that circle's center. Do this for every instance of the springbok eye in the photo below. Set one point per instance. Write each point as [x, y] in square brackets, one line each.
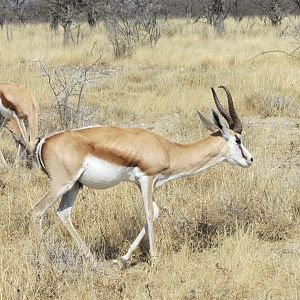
[238, 140]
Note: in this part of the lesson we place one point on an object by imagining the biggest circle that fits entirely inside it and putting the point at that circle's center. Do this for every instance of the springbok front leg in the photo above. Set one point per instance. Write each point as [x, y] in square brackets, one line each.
[125, 258]
[21, 127]
[151, 212]
[16, 133]
[64, 213]
[147, 192]
[2, 159]
[18, 144]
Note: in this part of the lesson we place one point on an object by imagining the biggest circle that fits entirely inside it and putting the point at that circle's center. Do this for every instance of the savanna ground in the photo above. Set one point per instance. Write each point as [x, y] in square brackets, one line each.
[229, 233]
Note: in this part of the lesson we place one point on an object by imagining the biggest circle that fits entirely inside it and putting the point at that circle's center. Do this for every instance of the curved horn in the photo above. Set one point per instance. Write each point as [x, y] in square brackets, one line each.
[222, 111]
[237, 124]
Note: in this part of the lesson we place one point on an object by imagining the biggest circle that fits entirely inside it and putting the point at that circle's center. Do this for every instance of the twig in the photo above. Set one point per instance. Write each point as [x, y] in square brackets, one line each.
[291, 54]
[148, 291]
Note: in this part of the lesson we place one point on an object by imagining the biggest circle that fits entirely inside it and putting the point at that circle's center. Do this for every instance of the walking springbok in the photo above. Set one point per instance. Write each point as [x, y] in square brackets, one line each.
[102, 157]
[16, 106]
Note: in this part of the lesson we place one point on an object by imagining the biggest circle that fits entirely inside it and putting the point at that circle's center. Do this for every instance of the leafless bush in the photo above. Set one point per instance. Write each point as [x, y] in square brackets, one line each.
[292, 30]
[67, 85]
[131, 23]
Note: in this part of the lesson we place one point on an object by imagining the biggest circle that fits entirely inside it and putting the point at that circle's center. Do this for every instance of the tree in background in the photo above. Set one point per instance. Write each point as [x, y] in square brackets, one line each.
[296, 4]
[19, 11]
[131, 22]
[272, 10]
[216, 11]
[64, 13]
[94, 11]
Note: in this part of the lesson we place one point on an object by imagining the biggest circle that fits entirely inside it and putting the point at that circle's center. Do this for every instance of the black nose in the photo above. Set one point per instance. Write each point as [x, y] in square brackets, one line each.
[251, 158]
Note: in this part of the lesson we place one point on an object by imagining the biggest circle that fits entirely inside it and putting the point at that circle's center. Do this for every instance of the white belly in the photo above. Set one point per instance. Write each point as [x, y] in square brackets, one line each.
[5, 112]
[100, 174]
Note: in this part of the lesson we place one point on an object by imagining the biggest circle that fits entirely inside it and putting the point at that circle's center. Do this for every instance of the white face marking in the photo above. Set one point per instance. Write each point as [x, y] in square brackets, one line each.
[100, 174]
[5, 112]
[238, 154]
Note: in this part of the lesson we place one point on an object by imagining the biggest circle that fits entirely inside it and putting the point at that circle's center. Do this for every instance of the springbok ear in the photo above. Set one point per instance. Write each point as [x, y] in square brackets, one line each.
[207, 123]
[216, 121]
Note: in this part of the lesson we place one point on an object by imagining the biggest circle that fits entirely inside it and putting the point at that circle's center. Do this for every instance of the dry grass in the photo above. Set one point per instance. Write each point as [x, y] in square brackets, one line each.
[229, 233]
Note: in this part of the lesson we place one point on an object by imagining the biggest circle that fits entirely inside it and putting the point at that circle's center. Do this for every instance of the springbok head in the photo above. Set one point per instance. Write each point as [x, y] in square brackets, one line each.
[236, 152]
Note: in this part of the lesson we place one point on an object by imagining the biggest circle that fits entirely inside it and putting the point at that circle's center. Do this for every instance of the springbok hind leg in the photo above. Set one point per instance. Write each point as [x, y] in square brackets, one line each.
[64, 213]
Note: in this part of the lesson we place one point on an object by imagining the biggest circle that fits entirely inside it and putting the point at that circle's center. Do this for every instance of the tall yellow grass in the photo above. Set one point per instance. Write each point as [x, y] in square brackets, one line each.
[229, 233]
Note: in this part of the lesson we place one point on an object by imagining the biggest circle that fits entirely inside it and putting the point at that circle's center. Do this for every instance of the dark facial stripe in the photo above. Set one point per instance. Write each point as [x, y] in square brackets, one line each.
[244, 156]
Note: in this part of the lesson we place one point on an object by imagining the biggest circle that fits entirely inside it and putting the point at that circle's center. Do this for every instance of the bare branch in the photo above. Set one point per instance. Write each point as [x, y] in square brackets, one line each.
[291, 54]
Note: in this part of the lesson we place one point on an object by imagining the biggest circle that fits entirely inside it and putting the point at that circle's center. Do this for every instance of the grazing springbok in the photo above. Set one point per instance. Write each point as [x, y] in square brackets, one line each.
[101, 157]
[16, 106]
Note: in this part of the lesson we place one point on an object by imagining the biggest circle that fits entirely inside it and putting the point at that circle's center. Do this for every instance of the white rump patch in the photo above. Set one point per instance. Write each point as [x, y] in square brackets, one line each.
[38, 153]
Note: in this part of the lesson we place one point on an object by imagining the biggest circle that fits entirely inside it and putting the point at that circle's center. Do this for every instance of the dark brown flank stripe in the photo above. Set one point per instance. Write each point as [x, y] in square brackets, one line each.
[114, 157]
[118, 158]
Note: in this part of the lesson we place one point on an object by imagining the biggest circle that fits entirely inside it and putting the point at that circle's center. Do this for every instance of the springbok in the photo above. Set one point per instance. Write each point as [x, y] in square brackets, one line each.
[16, 106]
[101, 157]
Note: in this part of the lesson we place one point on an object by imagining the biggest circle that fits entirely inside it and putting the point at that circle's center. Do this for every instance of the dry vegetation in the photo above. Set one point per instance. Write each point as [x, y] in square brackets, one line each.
[229, 233]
